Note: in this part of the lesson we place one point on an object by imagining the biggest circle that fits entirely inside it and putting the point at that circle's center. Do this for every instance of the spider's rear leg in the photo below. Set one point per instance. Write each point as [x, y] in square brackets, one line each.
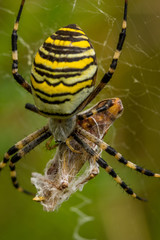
[15, 73]
[108, 168]
[107, 148]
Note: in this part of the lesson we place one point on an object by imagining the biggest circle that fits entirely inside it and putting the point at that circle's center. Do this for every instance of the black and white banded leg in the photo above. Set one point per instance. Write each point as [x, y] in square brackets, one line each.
[109, 103]
[107, 76]
[104, 165]
[15, 72]
[107, 148]
[20, 149]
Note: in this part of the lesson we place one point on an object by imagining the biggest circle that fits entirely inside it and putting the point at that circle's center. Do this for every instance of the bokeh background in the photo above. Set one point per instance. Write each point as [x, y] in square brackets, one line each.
[102, 210]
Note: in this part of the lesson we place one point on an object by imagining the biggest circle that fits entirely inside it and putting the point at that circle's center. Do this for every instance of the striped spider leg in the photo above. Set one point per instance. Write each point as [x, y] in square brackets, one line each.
[81, 134]
[110, 150]
[21, 148]
[108, 75]
[105, 147]
[104, 165]
[15, 72]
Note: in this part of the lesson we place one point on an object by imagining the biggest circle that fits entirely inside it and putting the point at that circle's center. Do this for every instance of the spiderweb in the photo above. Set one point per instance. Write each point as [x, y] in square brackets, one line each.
[136, 81]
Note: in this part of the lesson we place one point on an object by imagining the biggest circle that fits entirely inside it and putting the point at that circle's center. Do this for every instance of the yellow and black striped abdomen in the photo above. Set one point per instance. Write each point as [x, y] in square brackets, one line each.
[63, 72]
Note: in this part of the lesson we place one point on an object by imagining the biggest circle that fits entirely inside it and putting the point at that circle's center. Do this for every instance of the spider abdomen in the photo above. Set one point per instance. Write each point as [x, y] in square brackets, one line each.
[63, 72]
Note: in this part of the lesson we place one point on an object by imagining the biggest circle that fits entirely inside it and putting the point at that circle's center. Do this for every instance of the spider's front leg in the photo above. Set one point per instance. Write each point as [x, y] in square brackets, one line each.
[110, 150]
[108, 75]
[20, 149]
[104, 165]
[15, 72]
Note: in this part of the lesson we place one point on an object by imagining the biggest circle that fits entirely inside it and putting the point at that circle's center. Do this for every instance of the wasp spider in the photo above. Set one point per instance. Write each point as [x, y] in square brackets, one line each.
[62, 84]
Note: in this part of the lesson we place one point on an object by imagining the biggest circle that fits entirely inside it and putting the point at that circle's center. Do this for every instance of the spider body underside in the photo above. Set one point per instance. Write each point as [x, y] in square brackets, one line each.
[63, 78]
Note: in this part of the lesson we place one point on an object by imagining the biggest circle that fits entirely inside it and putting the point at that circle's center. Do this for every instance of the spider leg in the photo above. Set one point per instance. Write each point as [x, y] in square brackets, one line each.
[32, 108]
[107, 148]
[19, 145]
[93, 112]
[107, 76]
[22, 148]
[104, 165]
[15, 73]
[20, 154]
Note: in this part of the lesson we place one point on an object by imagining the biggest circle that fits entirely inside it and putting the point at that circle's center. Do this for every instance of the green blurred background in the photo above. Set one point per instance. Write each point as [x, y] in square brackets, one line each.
[110, 212]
